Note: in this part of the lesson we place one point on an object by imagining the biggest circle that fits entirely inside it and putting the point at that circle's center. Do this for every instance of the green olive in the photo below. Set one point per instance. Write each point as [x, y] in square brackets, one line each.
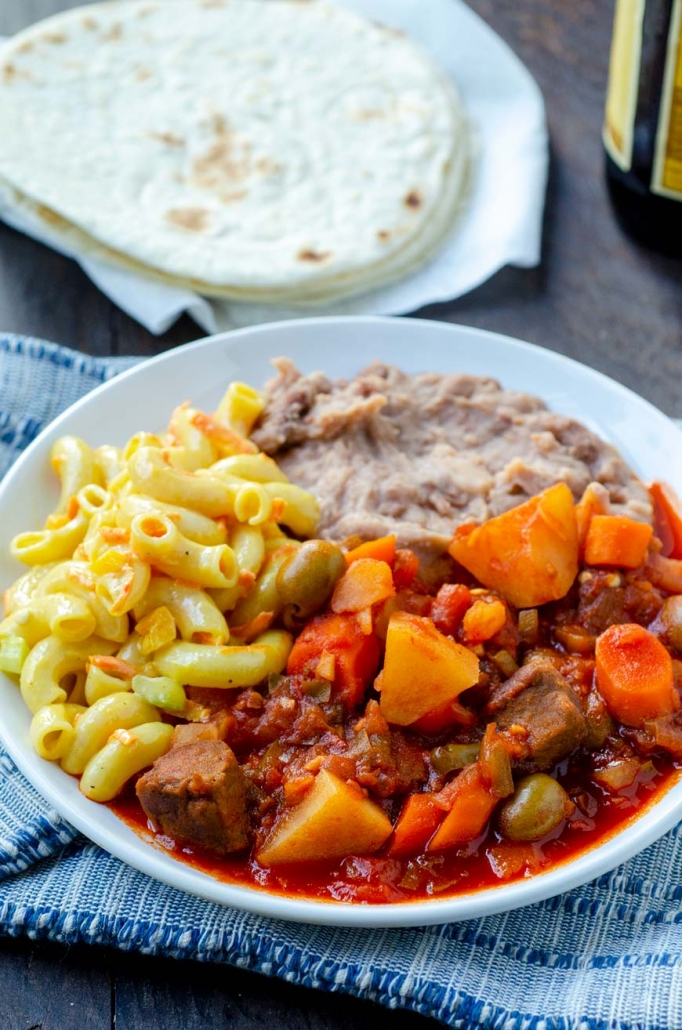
[537, 806]
[449, 757]
[308, 576]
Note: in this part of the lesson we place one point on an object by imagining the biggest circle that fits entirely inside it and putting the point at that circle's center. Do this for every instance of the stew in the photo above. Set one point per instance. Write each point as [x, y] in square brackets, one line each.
[436, 740]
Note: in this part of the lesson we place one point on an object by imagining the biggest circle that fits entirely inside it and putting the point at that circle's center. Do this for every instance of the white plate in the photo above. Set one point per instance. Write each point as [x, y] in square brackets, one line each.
[143, 399]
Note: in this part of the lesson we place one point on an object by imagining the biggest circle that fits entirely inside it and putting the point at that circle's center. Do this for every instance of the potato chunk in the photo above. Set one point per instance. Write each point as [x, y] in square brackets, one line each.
[528, 554]
[423, 669]
[334, 820]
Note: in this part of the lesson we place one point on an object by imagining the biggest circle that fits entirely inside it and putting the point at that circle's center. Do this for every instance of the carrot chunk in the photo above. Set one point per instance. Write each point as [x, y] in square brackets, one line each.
[356, 654]
[417, 823]
[594, 501]
[221, 434]
[616, 540]
[472, 804]
[114, 535]
[156, 629]
[635, 674]
[113, 666]
[668, 513]
[483, 620]
[382, 549]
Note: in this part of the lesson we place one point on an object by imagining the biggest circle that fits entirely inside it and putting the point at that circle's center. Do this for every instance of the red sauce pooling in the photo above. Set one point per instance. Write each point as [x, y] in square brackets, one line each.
[488, 862]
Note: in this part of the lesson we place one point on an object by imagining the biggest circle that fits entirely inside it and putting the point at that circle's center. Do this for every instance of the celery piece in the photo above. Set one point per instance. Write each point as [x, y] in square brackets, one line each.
[161, 691]
[13, 653]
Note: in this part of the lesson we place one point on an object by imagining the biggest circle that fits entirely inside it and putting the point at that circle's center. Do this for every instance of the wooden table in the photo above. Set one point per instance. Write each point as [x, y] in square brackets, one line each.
[595, 297]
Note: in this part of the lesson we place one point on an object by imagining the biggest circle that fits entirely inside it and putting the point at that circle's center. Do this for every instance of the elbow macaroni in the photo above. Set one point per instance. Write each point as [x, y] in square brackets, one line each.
[156, 540]
[76, 465]
[126, 753]
[65, 616]
[240, 407]
[196, 615]
[99, 721]
[194, 526]
[52, 730]
[201, 665]
[46, 671]
[187, 529]
[48, 545]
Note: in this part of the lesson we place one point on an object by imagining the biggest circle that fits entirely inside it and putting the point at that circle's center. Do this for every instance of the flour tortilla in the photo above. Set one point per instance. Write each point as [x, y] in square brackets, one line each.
[287, 152]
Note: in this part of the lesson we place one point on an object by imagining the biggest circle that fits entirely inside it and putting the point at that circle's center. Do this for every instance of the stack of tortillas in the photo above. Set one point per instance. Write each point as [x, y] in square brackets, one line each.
[283, 151]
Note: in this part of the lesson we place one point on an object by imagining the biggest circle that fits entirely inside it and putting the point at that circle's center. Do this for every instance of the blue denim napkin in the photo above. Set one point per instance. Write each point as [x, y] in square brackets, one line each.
[605, 957]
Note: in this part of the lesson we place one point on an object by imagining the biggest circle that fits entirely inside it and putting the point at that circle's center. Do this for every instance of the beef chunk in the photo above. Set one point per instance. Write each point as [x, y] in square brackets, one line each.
[600, 606]
[410, 760]
[197, 793]
[550, 712]
[537, 671]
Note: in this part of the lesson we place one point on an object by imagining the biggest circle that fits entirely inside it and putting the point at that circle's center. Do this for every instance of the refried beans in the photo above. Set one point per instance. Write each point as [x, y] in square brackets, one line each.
[418, 455]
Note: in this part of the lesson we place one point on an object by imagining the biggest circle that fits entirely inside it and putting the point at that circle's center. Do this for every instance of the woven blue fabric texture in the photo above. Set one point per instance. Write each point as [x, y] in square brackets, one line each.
[604, 957]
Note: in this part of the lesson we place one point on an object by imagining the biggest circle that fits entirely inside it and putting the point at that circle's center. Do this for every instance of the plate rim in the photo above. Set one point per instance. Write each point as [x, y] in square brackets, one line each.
[658, 817]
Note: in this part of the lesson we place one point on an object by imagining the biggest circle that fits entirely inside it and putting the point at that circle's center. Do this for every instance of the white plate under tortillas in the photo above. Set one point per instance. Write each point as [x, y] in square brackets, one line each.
[284, 151]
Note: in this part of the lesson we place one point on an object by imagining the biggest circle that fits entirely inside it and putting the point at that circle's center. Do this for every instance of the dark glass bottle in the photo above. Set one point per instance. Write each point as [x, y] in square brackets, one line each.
[643, 124]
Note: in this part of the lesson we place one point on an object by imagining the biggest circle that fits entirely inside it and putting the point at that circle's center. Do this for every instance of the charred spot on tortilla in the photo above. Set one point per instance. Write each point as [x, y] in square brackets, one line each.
[227, 161]
[413, 199]
[219, 125]
[383, 235]
[194, 219]
[113, 33]
[368, 114]
[267, 166]
[169, 138]
[313, 255]
[10, 72]
[54, 37]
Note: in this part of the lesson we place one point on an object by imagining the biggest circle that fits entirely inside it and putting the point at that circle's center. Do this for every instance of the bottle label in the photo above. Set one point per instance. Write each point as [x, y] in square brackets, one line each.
[621, 97]
[666, 177]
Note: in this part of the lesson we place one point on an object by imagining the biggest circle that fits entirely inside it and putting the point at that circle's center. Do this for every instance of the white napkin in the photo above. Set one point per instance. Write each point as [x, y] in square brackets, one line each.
[502, 224]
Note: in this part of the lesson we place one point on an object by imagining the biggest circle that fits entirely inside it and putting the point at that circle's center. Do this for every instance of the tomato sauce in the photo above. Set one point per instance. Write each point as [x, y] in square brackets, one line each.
[290, 726]
[488, 862]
